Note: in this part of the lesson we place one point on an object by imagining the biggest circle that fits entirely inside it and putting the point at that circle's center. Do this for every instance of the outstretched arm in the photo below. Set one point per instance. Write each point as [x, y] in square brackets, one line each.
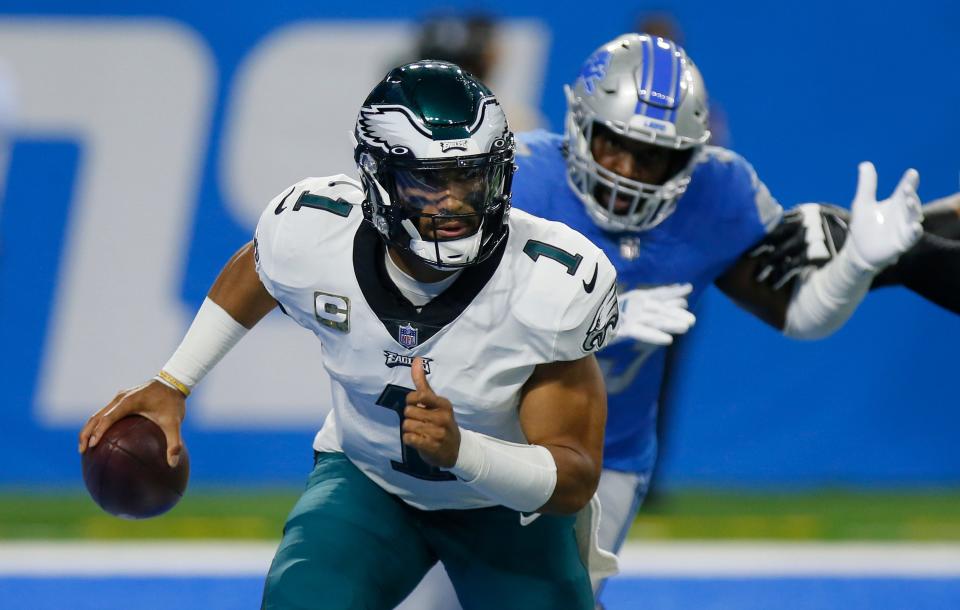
[236, 302]
[739, 283]
[812, 234]
[815, 303]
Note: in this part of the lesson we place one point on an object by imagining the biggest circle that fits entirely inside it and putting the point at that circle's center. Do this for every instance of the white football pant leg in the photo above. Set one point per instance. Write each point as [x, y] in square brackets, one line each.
[621, 494]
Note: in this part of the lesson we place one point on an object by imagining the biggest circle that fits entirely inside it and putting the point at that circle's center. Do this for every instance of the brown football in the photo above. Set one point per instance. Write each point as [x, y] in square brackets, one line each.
[127, 473]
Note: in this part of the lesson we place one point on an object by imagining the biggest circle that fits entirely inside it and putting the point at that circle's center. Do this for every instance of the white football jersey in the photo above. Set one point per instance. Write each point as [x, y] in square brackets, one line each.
[549, 295]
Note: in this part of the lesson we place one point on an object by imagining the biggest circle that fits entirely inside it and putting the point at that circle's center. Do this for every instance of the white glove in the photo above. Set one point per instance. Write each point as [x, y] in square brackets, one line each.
[881, 231]
[653, 315]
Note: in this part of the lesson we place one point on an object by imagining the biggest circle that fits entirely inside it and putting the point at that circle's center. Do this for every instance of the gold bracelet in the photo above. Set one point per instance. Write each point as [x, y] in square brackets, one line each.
[176, 383]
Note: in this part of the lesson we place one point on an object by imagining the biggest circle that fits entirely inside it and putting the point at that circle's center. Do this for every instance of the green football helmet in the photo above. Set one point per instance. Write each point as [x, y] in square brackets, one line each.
[435, 157]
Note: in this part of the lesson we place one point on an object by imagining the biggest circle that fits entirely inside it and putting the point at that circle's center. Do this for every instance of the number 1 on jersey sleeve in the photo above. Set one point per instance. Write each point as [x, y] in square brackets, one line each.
[535, 249]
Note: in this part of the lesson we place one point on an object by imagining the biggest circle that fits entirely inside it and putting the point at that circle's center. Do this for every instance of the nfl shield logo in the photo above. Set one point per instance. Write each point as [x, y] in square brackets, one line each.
[408, 336]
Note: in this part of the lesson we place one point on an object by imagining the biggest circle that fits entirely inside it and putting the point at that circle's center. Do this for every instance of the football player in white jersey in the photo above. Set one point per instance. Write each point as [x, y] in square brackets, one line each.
[467, 406]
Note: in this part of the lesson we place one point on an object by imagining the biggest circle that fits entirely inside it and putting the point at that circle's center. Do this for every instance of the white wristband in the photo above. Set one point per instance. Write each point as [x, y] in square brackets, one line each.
[521, 477]
[212, 334]
[826, 298]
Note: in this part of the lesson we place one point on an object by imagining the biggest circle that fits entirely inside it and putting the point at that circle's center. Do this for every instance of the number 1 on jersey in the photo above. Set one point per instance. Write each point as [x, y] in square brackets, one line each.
[535, 249]
[394, 397]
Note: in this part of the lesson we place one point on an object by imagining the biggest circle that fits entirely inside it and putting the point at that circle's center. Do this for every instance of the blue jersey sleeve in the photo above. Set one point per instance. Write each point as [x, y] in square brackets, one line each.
[726, 189]
[747, 200]
[540, 171]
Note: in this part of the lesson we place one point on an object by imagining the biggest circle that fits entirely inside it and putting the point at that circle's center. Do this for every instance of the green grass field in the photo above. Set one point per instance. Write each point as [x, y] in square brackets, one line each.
[929, 515]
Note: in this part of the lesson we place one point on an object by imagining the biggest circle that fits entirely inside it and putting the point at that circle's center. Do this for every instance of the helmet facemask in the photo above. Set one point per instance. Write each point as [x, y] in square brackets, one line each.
[448, 213]
[616, 202]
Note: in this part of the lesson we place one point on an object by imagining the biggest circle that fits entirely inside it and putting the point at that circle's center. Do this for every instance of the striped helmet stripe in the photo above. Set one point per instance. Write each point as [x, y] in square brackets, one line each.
[644, 76]
[658, 80]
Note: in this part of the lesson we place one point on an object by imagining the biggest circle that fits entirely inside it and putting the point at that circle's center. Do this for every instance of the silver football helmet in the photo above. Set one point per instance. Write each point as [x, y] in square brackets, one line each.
[645, 89]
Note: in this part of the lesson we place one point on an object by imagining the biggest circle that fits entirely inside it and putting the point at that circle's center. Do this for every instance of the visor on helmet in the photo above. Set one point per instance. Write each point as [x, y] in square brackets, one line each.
[447, 204]
[448, 212]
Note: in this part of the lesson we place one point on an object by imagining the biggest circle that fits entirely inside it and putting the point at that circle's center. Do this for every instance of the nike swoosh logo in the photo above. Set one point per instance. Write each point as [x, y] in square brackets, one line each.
[526, 520]
[593, 281]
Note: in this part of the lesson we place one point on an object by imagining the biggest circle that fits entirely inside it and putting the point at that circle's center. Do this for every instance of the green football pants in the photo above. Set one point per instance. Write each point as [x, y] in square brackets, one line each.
[350, 545]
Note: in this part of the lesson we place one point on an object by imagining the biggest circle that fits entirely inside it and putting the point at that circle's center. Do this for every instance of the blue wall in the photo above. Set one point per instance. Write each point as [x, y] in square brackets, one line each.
[809, 90]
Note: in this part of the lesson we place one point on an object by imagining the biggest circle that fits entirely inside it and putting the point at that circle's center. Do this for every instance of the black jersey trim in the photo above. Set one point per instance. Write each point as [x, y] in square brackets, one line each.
[393, 309]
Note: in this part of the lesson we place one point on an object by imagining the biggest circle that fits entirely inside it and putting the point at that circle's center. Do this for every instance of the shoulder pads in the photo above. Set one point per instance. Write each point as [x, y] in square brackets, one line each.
[564, 284]
[301, 219]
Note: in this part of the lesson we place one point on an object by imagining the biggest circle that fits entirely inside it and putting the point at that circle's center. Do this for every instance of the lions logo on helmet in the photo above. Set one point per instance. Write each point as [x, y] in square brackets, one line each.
[435, 156]
[645, 89]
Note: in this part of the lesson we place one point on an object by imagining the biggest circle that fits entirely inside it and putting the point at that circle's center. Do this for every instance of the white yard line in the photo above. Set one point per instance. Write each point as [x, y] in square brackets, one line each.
[639, 559]
[189, 559]
[753, 559]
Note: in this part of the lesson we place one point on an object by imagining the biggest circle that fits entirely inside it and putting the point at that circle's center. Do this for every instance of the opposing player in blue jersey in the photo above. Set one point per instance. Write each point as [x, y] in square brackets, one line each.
[633, 172]
[642, 183]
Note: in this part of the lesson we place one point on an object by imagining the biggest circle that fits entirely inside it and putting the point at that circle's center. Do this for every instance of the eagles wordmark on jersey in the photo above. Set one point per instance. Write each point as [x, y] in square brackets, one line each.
[546, 295]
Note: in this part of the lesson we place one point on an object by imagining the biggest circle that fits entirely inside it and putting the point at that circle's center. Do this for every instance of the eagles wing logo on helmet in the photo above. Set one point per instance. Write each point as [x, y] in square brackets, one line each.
[395, 129]
[381, 125]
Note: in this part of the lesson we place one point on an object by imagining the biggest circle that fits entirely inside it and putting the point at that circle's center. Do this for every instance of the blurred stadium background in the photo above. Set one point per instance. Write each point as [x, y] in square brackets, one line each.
[139, 142]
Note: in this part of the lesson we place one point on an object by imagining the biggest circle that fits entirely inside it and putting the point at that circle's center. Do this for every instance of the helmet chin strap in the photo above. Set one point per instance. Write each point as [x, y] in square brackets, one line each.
[454, 252]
